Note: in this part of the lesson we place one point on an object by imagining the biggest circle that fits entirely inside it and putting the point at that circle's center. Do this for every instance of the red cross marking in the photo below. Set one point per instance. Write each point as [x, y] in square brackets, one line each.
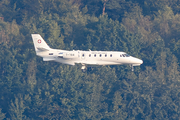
[39, 41]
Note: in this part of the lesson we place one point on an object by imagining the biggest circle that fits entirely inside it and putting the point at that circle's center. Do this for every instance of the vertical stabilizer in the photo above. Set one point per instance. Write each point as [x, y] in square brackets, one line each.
[39, 43]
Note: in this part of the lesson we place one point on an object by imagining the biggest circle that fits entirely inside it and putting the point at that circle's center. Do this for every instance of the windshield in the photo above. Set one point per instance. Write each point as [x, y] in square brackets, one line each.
[127, 55]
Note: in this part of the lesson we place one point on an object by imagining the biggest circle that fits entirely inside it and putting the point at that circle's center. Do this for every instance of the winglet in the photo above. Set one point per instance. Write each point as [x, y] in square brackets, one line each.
[39, 43]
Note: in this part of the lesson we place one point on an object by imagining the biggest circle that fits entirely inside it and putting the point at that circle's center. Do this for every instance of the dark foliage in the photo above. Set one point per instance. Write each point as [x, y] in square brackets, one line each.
[32, 89]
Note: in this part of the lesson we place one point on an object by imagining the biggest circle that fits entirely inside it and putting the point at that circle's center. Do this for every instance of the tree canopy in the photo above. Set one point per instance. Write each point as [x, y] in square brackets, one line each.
[35, 90]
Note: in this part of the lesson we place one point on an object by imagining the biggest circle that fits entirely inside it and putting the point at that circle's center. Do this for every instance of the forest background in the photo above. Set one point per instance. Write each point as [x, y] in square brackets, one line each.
[35, 90]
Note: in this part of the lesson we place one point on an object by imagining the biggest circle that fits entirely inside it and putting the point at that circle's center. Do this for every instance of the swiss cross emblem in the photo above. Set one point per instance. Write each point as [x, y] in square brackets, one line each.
[39, 41]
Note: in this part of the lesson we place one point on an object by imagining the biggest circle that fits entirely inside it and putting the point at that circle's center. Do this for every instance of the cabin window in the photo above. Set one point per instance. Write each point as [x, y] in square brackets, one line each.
[105, 55]
[67, 54]
[83, 55]
[50, 53]
[100, 55]
[89, 55]
[110, 55]
[94, 55]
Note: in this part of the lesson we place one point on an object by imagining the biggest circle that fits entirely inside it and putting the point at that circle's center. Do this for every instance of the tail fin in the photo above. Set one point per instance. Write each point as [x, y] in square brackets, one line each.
[39, 43]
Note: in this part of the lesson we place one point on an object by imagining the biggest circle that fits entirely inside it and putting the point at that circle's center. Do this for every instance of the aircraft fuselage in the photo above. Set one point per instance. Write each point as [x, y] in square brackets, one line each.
[82, 57]
[89, 57]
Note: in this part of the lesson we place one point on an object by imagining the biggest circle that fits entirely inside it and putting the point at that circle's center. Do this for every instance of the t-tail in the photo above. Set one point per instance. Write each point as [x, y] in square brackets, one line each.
[39, 44]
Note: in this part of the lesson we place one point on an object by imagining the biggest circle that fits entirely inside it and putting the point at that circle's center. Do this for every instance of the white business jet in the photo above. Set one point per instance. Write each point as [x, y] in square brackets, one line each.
[82, 57]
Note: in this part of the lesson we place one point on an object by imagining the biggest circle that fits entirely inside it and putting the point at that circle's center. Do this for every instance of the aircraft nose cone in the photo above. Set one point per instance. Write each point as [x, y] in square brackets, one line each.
[136, 61]
[140, 61]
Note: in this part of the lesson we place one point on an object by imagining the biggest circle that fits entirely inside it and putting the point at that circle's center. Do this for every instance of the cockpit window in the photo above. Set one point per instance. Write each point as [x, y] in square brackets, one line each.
[127, 55]
[50, 53]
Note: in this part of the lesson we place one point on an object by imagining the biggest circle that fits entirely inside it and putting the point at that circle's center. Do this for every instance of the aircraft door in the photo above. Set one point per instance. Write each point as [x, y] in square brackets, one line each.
[79, 54]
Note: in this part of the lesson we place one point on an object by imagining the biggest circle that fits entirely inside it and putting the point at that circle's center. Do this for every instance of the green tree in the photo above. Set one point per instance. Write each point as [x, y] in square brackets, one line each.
[2, 115]
[17, 108]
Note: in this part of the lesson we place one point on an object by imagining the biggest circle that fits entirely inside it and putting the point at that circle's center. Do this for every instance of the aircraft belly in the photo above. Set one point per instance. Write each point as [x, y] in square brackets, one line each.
[108, 63]
[65, 61]
[101, 63]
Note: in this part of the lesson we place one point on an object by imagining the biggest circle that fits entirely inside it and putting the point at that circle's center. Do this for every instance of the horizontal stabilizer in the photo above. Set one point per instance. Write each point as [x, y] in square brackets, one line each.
[48, 59]
[42, 49]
